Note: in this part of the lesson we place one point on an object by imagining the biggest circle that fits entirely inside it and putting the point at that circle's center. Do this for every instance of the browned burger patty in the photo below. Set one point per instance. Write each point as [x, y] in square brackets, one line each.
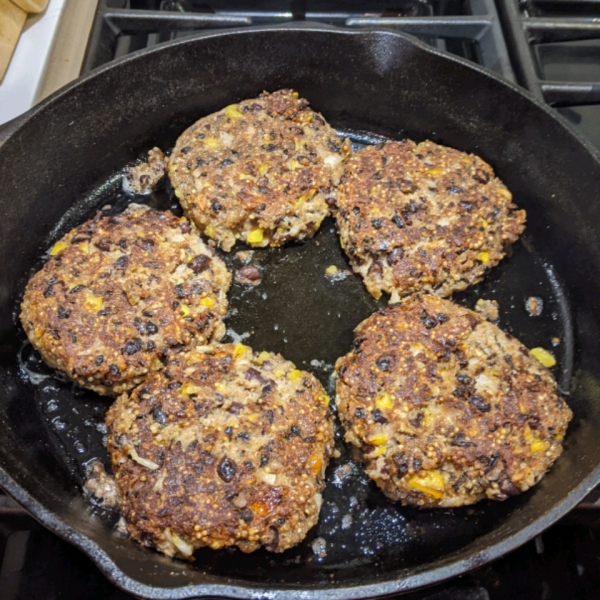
[260, 171]
[423, 217]
[118, 292]
[446, 408]
[225, 447]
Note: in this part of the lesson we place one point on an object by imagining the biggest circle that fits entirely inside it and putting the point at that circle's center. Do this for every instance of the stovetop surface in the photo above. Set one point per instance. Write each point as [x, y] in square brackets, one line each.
[551, 47]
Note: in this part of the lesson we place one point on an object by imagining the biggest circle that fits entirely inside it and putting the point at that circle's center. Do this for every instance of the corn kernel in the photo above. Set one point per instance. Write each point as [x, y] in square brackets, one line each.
[295, 94]
[173, 168]
[279, 373]
[324, 399]
[207, 301]
[211, 142]
[190, 389]
[430, 483]
[539, 446]
[305, 198]
[39, 332]
[485, 223]
[243, 176]
[384, 402]
[233, 112]
[528, 435]
[294, 375]
[545, 357]
[57, 248]
[294, 164]
[379, 451]
[93, 302]
[379, 439]
[331, 270]
[239, 349]
[262, 357]
[178, 193]
[255, 236]
[85, 247]
[484, 257]
[263, 169]
[434, 172]
[209, 231]
[184, 310]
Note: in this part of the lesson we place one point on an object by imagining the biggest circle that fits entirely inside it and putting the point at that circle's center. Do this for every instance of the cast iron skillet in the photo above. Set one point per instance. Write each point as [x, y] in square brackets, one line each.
[61, 162]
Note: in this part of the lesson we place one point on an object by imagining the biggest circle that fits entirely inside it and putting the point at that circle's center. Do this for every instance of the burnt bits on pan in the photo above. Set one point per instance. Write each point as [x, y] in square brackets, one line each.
[117, 293]
[446, 408]
[423, 217]
[262, 171]
[225, 447]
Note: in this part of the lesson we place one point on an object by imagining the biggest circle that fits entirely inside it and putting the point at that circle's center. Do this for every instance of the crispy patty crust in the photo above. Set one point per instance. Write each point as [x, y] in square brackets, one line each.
[445, 407]
[423, 217]
[225, 447]
[261, 171]
[118, 292]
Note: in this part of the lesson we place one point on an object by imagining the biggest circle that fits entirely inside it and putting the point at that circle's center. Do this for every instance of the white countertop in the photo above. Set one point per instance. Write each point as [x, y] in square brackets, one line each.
[21, 85]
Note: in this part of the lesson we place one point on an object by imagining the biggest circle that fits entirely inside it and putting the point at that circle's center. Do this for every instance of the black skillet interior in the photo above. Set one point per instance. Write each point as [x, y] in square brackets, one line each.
[63, 164]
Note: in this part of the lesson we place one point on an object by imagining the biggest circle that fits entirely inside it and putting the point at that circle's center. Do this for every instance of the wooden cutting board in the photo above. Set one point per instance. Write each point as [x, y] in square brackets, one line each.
[12, 18]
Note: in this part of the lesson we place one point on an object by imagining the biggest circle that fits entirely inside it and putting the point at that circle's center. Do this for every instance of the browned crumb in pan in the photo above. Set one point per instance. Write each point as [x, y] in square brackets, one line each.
[261, 171]
[144, 177]
[423, 217]
[446, 408]
[118, 292]
[225, 447]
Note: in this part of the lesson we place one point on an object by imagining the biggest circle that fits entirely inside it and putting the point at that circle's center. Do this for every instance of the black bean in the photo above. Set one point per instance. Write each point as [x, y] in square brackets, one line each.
[174, 385]
[146, 244]
[394, 256]
[384, 362]
[463, 379]
[150, 346]
[264, 459]
[63, 313]
[103, 244]
[429, 321]
[200, 263]
[76, 289]
[492, 461]
[99, 360]
[377, 223]
[249, 272]
[417, 462]
[185, 150]
[401, 464]
[481, 176]
[246, 515]
[294, 431]
[49, 291]
[228, 431]
[122, 262]
[226, 162]
[215, 206]
[132, 346]
[122, 243]
[479, 403]
[244, 436]
[113, 369]
[226, 469]
[269, 147]
[180, 291]
[460, 440]
[158, 415]
[252, 373]
[378, 416]
[454, 190]
[442, 317]
[360, 413]
[397, 221]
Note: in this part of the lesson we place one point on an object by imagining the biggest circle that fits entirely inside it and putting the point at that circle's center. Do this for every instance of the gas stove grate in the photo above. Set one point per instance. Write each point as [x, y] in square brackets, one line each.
[539, 29]
[467, 28]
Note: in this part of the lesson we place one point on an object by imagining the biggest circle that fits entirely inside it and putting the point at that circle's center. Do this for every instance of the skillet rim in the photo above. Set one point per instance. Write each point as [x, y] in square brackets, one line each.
[450, 568]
